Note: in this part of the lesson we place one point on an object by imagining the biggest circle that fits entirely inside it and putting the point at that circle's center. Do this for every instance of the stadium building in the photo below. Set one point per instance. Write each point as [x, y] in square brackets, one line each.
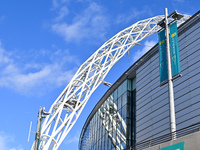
[134, 112]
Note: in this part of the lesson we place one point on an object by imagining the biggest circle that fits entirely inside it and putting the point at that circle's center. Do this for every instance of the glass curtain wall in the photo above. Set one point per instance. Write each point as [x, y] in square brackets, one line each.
[113, 125]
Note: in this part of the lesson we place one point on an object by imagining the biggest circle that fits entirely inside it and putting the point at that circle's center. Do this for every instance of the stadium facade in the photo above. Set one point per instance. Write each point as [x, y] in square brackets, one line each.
[136, 107]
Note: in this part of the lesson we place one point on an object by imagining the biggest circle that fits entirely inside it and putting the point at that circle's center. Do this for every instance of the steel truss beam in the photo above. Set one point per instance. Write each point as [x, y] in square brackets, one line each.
[67, 107]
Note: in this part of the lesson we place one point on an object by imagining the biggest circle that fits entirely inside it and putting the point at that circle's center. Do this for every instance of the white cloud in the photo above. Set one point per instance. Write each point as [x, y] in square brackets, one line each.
[135, 13]
[147, 46]
[49, 76]
[88, 24]
[58, 3]
[37, 76]
[3, 58]
[69, 32]
[62, 13]
[6, 141]
[55, 4]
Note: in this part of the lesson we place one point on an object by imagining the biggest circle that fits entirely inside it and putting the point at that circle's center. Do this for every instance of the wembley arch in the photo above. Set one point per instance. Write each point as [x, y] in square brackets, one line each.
[68, 106]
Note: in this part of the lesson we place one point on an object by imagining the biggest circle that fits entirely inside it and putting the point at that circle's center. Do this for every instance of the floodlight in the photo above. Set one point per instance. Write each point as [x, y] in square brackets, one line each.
[177, 16]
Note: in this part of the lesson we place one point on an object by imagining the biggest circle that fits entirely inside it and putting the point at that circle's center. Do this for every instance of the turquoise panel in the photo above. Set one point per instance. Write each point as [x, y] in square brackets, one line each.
[178, 146]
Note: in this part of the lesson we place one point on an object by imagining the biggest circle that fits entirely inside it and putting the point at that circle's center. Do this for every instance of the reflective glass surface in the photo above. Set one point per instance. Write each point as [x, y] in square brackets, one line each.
[111, 126]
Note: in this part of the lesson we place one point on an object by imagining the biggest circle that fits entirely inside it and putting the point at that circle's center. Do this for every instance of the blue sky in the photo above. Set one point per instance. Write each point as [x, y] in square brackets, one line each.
[43, 43]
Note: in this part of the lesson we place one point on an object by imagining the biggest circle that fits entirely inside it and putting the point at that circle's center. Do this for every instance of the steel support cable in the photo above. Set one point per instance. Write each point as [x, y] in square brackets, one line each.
[88, 78]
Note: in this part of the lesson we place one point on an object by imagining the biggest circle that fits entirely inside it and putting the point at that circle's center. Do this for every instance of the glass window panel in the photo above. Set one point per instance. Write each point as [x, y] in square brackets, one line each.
[95, 132]
[123, 128]
[106, 143]
[112, 97]
[128, 122]
[104, 104]
[119, 90]
[117, 144]
[111, 110]
[124, 111]
[129, 85]
[115, 104]
[102, 143]
[97, 124]
[103, 131]
[120, 112]
[123, 145]
[129, 98]
[119, 103]
[114, 136]
[107, 118]
[129, 113]
[124, 99]
[134, 84]
[122, 88]
[97, 145]
[110, 127]
[109, 143]
[99, 133]
[100, 122]
[115, 94]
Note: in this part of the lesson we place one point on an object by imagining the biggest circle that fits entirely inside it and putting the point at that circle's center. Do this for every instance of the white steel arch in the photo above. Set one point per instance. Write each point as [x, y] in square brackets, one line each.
[67, 107]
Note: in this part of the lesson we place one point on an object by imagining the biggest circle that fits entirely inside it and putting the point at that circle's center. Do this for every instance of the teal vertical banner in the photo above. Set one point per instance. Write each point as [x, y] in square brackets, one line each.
[174, 49]
[178, 146]
[162, 56]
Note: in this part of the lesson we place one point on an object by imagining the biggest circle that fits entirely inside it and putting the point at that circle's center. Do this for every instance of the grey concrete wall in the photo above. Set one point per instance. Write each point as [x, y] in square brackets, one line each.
[192, 142]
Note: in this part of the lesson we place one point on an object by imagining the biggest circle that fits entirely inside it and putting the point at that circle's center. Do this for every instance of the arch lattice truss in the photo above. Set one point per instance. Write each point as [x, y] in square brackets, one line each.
[66, 109]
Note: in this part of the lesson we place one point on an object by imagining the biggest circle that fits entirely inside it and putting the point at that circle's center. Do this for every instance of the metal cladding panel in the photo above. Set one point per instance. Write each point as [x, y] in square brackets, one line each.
[152, 107]
[188, 38]
[160, 116]
[188, 32]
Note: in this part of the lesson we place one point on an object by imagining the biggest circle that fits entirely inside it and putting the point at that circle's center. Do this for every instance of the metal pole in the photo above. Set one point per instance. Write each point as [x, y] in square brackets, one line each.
[37, 136]
[170, 82]
[41, 115]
